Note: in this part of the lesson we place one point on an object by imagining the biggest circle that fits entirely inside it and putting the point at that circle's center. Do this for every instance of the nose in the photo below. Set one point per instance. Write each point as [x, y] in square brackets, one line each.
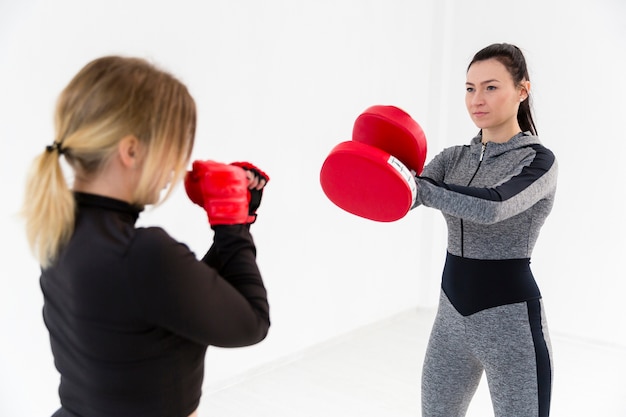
[476, 99]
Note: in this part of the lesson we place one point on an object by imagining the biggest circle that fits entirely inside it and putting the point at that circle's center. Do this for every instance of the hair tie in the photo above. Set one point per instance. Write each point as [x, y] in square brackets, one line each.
[56, 146]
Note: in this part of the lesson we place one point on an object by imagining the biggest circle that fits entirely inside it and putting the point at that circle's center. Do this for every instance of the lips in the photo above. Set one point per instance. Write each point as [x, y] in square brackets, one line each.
[479, 114]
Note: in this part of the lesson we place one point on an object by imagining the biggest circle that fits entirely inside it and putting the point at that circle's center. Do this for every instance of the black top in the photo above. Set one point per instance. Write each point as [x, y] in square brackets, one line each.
[131, 311]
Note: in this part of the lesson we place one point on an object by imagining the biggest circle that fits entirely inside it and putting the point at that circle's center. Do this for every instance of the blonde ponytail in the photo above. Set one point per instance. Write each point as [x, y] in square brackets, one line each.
[48, 207]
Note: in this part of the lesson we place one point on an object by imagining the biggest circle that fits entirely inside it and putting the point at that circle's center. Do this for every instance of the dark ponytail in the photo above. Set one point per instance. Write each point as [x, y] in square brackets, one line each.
[513, 59]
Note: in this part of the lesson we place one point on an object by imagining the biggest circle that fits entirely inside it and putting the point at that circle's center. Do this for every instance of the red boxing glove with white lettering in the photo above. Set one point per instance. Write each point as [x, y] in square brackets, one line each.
[221, 189]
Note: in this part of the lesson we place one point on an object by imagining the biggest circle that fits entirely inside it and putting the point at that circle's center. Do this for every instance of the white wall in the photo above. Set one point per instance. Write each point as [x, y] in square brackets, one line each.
[280, 83]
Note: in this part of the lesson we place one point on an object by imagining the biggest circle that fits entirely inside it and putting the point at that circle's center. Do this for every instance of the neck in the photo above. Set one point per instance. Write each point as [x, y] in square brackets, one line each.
[103, 189]
[500, 135]
[113, 181]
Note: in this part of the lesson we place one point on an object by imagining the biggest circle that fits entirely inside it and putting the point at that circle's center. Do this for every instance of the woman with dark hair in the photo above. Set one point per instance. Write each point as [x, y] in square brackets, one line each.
[130, 310]
[495, 195]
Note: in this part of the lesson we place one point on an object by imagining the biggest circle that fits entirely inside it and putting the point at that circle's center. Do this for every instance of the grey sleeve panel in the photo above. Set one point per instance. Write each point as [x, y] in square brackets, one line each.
[435, 171]
[487, 205]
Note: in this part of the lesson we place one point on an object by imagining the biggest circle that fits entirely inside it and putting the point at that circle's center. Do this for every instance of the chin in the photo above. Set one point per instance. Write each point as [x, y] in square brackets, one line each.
[481, 124]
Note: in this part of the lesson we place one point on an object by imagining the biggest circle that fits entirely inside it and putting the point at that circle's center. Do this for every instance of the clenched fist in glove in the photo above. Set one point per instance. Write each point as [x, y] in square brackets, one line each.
[230, 194]
[257, 181]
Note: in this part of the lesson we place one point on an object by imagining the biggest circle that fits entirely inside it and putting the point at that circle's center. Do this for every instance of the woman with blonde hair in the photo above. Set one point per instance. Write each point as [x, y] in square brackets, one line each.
[130, 310]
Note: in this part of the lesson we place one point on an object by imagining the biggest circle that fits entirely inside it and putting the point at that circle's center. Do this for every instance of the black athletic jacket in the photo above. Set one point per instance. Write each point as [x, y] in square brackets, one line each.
[131, 312]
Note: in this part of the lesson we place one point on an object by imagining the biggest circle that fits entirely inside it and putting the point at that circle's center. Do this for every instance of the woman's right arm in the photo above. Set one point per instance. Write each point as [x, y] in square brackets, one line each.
[222, 305]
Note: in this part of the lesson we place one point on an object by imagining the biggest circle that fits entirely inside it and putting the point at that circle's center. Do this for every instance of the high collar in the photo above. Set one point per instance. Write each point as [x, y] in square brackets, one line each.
[520, 140]
[107, 203]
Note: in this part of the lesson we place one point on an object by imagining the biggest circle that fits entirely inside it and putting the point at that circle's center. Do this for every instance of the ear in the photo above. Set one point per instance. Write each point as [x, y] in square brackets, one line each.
[524, 90]
[128, 151]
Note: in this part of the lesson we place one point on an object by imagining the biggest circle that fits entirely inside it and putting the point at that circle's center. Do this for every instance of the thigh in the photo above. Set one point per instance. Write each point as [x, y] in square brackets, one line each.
[515, 351]
[451, 373]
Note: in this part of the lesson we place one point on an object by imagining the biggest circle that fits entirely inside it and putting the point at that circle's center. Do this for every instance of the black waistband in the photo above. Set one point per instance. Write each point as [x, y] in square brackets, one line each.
[473, 285]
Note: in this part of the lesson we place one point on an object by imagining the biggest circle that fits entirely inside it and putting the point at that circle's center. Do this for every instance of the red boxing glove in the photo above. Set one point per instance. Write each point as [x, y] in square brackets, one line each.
[255, 194]
[255, 170]
[222, 190]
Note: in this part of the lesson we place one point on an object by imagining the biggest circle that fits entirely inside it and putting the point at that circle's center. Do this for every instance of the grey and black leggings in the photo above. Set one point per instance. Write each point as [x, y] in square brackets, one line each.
[491, 332]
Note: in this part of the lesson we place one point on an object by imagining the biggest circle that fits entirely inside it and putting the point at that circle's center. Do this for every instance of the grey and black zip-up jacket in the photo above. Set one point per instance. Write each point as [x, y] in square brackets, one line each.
[495, 199]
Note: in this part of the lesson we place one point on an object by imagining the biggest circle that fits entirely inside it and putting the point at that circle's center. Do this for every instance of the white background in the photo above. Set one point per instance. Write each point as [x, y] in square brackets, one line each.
[280, 83]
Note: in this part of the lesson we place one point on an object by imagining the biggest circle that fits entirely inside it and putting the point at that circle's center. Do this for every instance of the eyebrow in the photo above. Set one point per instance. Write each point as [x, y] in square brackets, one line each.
[484, 82]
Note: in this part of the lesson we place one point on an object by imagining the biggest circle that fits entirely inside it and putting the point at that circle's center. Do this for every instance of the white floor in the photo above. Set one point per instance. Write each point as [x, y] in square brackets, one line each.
[375, 371]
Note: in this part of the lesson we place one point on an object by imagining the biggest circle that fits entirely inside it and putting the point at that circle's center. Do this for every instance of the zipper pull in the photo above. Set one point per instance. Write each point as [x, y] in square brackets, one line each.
[482, 152]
